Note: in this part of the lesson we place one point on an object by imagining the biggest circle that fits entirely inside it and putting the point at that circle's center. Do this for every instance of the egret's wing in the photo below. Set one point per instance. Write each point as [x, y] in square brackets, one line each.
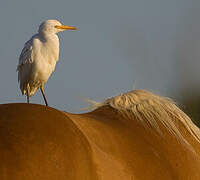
[25, 61]
[26, 54]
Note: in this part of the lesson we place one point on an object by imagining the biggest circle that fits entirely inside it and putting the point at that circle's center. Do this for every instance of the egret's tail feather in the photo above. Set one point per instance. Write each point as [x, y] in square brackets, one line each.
[28, 89]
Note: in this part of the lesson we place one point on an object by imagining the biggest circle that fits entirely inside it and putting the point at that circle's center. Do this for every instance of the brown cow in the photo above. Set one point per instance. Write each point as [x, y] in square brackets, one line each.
[133, 136]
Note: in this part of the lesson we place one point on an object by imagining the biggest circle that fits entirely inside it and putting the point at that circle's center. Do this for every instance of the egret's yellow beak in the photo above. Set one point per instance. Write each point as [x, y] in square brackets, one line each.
[65, 27]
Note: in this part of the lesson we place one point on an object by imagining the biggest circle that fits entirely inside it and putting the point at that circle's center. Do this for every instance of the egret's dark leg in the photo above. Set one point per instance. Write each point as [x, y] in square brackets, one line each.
[43, 94]
[27, 98]
[28, 95]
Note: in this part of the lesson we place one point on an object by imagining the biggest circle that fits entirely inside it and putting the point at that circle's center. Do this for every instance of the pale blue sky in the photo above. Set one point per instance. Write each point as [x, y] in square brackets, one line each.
[149, 44]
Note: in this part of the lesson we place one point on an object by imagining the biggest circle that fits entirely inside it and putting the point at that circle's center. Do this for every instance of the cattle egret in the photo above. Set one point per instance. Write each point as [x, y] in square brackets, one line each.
[38, 58]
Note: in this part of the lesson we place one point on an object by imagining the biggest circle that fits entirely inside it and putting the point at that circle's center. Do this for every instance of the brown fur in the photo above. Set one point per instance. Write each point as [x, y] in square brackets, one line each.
[111, 142]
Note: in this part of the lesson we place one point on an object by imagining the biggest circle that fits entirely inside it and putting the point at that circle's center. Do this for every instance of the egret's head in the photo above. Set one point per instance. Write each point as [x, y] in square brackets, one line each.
[53, 26]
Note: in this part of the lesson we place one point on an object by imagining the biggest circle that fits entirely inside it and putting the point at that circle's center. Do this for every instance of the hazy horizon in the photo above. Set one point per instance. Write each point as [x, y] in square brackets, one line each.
[151, 45]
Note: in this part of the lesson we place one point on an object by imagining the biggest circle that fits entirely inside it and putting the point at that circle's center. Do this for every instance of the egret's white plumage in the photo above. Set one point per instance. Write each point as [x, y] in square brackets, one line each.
[38, 57]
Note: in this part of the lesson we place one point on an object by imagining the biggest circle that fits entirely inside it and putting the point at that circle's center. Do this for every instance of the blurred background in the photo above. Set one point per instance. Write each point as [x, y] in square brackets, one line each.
[120, 46]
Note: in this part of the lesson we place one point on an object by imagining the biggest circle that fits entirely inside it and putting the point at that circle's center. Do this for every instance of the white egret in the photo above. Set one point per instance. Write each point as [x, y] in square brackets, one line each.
[38, 58]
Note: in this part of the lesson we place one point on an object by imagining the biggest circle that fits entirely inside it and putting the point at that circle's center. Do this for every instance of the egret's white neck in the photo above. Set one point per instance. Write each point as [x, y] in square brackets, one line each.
[47, 35]
[51, 42]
